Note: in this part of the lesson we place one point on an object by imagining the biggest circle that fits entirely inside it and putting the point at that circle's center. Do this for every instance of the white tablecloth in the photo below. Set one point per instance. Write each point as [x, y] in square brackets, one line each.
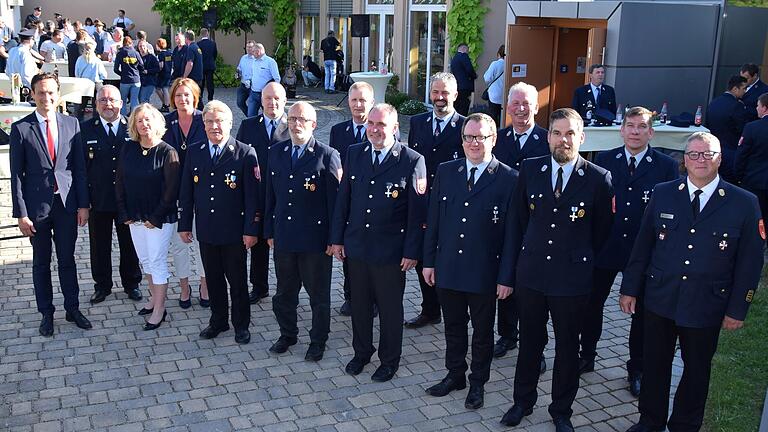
[72, 89]
[10, 113]
[607, 137]
[379, 82]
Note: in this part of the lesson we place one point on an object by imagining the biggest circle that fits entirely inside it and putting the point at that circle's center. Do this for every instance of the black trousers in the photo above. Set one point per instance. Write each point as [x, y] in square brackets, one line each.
[507, 322]
[222, 264]
[494, 110]
[208, 83]
[482, 311]
[260, 267]
[347, 285]
[697, 347]
[383, 285]
[592, 321]
[566, 316]
[462, 102]
[100, 235]
[200, 104]
[430, 304]
[59, 228]
[313, 270]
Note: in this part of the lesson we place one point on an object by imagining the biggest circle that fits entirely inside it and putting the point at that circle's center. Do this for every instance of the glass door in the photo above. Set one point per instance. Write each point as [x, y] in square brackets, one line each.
[426, 54]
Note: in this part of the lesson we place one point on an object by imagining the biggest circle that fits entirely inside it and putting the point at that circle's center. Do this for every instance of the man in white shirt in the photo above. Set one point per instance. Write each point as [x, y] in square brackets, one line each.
[244, 71]
[264, 70]
[54, 48]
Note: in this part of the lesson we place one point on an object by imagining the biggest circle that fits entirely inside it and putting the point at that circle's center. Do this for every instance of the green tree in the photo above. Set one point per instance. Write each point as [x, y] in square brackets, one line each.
[233, 16]
[283, 19]
[466, 19]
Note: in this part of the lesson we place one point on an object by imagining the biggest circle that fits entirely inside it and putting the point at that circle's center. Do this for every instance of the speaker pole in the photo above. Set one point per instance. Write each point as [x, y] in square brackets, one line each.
[361, 54]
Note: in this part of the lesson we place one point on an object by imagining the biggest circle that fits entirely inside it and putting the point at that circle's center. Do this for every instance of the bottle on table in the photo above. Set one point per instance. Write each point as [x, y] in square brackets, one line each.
[619, 115]
[697, 118]
[664, 113]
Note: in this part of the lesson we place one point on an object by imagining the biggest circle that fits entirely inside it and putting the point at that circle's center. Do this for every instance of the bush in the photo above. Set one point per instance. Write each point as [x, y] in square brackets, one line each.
[225, 74]
[411, 107]
[396, 99]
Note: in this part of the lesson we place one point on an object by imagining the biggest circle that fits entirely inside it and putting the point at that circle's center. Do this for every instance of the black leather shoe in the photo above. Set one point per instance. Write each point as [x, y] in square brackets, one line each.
[420, 321]
[315, 352]
[242, 336]
[586, 365]
[643, 428]
[282, 345]
[562, 424]
[100, 296]
[384, 373]
[254, 297]
[502, 346]
[447, 385]
[634, 384]
[475, 398]
[345, 309]
[134, 294]
[355, 366]
[211, 332]
[515, 415]
[145, 311]
[542, 366]
[149, 326]
[79, 319]
[46, 326]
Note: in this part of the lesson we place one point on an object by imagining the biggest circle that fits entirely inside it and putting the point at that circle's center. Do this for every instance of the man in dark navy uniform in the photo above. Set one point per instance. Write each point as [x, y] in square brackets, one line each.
[697, 262]
[220, 188]
[437, 136]
[208, 51]
[179, 56]
[635, 169]
[193, 63]
[378, 228]
[726, 117]
[522, 140]
[343, 135]
[465, 232]
[595, 95]
[103, 139]
[260, 132]
[560, 218]
[302, 185]
[462, 69]
[755, 88]
[751, 165]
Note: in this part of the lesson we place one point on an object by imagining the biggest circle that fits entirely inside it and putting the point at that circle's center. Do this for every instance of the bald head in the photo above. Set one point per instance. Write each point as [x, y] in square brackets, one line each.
[273, 100]
[302, 122]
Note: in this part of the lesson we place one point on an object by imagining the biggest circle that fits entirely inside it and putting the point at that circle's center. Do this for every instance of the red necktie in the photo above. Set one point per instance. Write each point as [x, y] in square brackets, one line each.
[51, 149]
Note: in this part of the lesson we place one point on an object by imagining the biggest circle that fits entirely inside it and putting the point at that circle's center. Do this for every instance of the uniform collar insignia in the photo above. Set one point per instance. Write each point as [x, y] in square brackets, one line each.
[286, 148]
[261, 119]
[347, 128]
[681, 187]
[394, 153]
[649, 159]
[618, 155]
[122, 120]
[231, 147]
[581, 173]
[721, 192]
[96, 122]
[202, 146]
[544, 168]
[536, 136]
[509, 132]
[461, 168]
[491, 169]
[366, 148]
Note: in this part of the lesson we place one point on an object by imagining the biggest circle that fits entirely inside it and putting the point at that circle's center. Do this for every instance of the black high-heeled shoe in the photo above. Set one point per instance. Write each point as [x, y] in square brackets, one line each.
[203, 302]
[149, 326]
[145, 311]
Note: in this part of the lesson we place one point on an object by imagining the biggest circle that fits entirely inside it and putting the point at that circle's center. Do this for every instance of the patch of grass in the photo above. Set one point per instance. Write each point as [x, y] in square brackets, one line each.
[740, 371]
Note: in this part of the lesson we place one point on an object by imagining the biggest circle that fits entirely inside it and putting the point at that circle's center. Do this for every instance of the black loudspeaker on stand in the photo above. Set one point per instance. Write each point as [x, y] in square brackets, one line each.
[210, 19]
[361, 28]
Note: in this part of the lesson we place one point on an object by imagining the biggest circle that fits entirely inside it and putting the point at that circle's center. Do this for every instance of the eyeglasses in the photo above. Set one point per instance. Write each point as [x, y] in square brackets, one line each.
[707, 155]
[108, 100]
[298, 120]
[479, 138]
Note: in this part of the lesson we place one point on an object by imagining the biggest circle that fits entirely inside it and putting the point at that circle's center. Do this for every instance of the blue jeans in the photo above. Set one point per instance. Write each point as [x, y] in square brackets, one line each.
[330, 74]
[243, 93]
[254, 103]
[129, 93]
[145, 93]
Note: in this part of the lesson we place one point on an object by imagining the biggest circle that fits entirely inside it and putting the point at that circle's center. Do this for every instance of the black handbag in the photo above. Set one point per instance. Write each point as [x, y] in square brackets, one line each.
[484, 96]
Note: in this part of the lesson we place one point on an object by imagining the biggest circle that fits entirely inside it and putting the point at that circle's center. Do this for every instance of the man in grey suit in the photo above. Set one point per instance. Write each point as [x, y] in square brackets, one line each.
[49, 193]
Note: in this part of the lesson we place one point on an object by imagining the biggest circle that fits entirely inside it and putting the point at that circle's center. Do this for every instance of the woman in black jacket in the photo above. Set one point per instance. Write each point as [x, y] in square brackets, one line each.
[149, 74]
[146, 188]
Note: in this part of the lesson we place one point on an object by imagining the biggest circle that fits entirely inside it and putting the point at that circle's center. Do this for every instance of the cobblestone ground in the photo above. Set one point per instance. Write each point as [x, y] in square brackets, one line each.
[117, 377]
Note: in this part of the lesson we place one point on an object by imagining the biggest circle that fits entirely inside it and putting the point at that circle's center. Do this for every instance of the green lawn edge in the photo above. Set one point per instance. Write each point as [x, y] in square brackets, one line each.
[740, 371]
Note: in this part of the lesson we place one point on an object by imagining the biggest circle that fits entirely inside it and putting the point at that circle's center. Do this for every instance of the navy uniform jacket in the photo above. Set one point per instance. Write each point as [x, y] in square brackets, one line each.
[253, 131]
[300, 200]
[751, 166]
[695, 272]
[632, 196]
[436, 149]
[506, 150]
[101, 155]
[551, 247]
[465, 229]
[223, 196]
[33, 173]
[174, 137]
[179, 61]
[726, 117]
[209, 53]
[583, 95]
[379, 216]
[462, 69]
[343, 136]
[195, 55]
[750, 98]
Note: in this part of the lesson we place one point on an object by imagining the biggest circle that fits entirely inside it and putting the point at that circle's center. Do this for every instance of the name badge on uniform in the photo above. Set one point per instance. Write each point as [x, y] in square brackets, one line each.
[667, 216]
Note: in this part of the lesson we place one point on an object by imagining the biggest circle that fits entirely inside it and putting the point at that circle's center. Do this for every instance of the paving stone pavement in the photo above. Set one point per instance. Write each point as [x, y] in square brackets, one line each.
[117, 377]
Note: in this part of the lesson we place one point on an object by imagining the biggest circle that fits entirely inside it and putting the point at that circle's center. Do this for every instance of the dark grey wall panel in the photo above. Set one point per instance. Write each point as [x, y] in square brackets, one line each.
[340, 8]
[683, 88]
[658, 34]
[309, 7]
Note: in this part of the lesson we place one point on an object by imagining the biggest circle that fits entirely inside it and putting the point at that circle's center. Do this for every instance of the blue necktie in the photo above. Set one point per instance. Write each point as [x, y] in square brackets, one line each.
[295, 155]
[216, 154]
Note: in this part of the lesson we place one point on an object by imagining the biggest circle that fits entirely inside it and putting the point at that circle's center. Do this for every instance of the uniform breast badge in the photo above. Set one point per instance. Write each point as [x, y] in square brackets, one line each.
[495, 218]
[195, 178]
[90, 152]
[573, 215]
[646, 198]
[389, 192]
